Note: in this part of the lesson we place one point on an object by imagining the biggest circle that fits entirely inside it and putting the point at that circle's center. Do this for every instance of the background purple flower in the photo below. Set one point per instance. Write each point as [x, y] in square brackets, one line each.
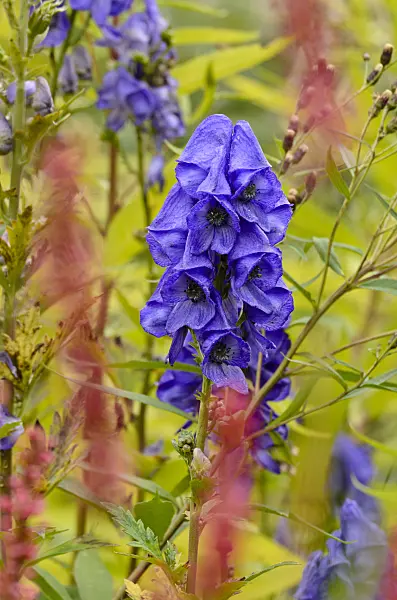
[8, 441]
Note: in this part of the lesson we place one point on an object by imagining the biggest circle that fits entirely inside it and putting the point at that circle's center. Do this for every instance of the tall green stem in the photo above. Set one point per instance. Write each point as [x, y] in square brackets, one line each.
[195, 506]
[19, 110]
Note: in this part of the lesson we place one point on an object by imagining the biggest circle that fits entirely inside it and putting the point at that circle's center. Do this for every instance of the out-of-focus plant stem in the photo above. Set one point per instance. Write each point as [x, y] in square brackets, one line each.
[195, 506]
[16, 177]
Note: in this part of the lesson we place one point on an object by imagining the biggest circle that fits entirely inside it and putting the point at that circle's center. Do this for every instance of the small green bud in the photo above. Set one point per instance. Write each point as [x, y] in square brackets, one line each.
[185, 445]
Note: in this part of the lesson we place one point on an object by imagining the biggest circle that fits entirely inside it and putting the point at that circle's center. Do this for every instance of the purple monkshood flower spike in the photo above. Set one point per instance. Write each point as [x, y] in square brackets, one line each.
[7, 442]
[214, 225]
[225, 354]
[189, 296]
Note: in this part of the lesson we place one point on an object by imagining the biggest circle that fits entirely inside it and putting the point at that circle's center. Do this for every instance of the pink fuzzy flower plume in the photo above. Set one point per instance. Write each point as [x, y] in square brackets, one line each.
[71, 278]
[24, 502]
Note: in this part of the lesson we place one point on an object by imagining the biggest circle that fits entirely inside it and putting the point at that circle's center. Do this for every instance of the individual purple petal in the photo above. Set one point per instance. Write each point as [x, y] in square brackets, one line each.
[251, 240]
[276, 222]
[277, 311]
[174, 211]
[154, 315]
[315, 578]
[201, 168]
[167, 247]
[255, 194]
[179, 388]
[100, 10]
[245, 151]
[177, 344]
[119, 6]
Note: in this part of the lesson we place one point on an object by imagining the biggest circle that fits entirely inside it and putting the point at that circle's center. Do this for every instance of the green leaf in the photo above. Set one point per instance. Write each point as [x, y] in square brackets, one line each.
[207, 100]
[155, 514]
[199, 7]
[79, 490]
[149, 365]
[148, 400]
[230, 588]
[321, 245]
[379, 379]
[131, 312]
[321, 364]
[294, 517]
[385, 284]
[76, 545]
[335, 177]
[186, 36]
[191, 74]
[384, 201]
[264, 96]
[348, 247]
[51, 588]
[373, 443]
[299, 288]
[149, 486]
[143, 538]
[385, 495]
[93, 580]
[293, 407]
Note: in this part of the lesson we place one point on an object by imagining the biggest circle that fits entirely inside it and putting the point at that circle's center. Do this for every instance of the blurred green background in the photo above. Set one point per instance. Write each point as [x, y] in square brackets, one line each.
[257, 75]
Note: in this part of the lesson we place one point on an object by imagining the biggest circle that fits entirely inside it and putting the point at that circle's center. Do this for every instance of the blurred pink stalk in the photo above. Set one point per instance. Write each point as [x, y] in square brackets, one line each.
[70, 268]
[25, 501]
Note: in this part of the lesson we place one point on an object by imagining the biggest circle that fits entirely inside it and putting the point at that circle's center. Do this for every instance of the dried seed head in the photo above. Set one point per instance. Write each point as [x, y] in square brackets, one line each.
[381, 101]
[310, 184]
[366, 56]
[287, 163]
[375, 74]
[288, 140]
[294, 197]
[294, 123]
[387, 54]
[299, 154]
[393, 86]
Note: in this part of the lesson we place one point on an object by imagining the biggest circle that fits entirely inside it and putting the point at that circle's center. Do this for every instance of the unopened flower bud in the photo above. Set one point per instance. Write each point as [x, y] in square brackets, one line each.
[329, 75]
[294, 198]
[185, 444]
[306, 97]
[391, 127]
[286, 163]
[288, 140]
[380, 103]
[6, 137]
[294, 123]
[366, 56]
[387, 54]
[82, 63]
[299, 154]
[200, 465]
[30, 88]
[375, 74]
[392, 103]
[310, 184]
[393, 86]
[68, 80]
[42, 102]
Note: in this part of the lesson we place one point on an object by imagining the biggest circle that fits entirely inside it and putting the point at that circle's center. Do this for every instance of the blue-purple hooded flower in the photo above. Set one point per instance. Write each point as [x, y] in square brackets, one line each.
[225, 355]
[57, 31]
[179, 388]
[30, 88]
[6, 136]
[9, 440]
[125, 97]
[101, 9]
[314, 583]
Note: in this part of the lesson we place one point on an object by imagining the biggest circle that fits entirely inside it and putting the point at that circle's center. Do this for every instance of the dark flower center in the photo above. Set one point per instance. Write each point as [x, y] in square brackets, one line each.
[194, 292]
[256, 273]
[217, 216]
[249, 193]
[220, 353]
